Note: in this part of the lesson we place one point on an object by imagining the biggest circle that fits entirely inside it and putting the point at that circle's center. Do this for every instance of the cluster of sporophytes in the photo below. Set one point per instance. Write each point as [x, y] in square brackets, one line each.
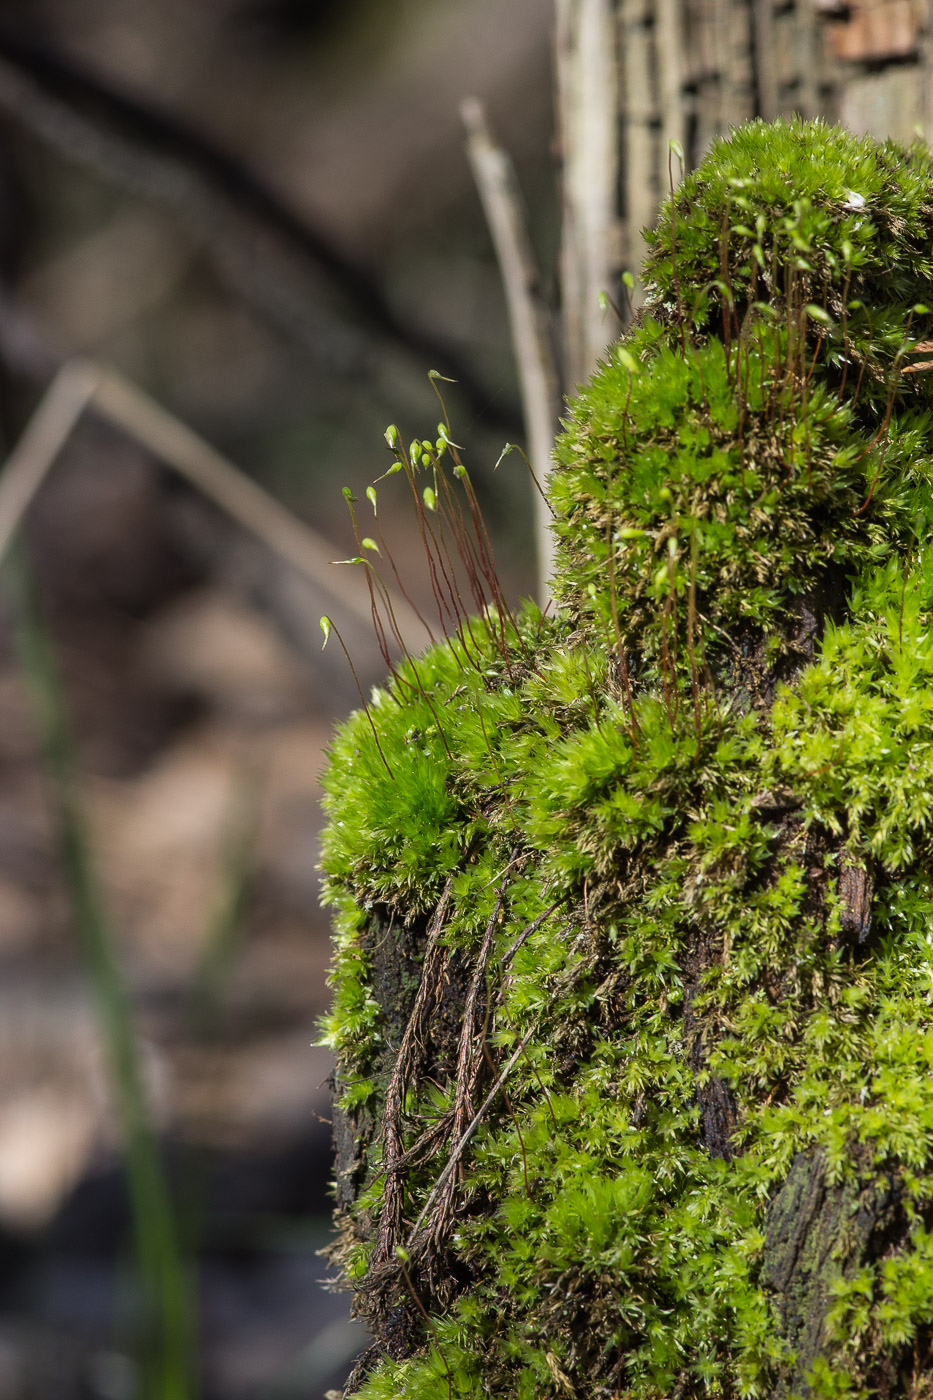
[634, 964]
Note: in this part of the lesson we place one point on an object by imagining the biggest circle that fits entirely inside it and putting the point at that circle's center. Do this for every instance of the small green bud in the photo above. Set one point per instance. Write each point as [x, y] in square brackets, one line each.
[371, 497]
[325, 628]
[429, 498]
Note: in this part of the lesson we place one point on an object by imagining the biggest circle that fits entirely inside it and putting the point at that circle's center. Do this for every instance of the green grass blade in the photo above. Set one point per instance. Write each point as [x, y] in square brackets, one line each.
[231, 900]
[164, 1283]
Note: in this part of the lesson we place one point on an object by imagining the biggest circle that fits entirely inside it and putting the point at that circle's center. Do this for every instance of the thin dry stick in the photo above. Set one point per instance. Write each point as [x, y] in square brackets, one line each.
[81, 384]
[587, 113]
[526, 933]
[464, 1139]
[466, 1056]
[46, 434]
[393, 1148]
[531, 340]
[469, 1062]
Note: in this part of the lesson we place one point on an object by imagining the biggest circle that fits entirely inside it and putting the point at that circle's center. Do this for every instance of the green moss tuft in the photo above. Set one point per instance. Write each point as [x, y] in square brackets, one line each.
[633, 966]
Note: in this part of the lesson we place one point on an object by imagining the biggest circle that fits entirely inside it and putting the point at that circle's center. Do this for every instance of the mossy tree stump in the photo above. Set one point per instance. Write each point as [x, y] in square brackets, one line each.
[634, 902]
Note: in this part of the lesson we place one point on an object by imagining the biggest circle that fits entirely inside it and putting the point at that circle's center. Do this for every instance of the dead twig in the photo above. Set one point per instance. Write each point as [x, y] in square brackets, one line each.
[469, 1057]
[528, 316]
[526, 933]
[469, 1066]
[463, 1141]
[394, 1155]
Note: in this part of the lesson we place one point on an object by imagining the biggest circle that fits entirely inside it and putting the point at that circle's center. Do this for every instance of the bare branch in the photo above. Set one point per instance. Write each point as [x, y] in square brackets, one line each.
[528, 316]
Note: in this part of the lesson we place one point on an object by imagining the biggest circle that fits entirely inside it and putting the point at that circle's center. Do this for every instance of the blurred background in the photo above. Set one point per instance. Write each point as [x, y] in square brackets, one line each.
[261, 212]
[169, 176]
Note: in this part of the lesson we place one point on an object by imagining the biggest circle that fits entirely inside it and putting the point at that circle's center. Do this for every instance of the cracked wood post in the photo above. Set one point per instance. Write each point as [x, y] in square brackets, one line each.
[587, 118]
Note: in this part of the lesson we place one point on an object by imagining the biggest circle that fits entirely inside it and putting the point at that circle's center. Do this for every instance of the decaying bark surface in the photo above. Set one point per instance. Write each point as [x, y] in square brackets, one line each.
[817, 1232]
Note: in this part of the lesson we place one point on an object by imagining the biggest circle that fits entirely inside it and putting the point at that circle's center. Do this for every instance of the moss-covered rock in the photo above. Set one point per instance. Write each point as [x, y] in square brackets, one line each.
[634, 903]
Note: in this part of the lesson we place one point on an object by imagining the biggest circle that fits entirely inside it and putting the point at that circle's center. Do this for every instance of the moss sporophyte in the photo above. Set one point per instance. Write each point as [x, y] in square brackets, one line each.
[634, 902]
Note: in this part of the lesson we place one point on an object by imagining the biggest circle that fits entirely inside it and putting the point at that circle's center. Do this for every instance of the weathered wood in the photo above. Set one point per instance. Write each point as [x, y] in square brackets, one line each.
[670, 64]
[737, 103]
[818, 1233]
[639, 118]
[587, 107]
[766, 77]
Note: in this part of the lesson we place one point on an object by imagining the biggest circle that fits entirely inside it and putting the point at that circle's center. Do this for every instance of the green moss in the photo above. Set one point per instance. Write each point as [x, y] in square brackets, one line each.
[663, 863]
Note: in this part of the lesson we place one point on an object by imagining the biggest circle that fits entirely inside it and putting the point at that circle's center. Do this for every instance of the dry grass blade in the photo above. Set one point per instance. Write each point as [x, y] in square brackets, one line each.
[48, 430]
[82, 384]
